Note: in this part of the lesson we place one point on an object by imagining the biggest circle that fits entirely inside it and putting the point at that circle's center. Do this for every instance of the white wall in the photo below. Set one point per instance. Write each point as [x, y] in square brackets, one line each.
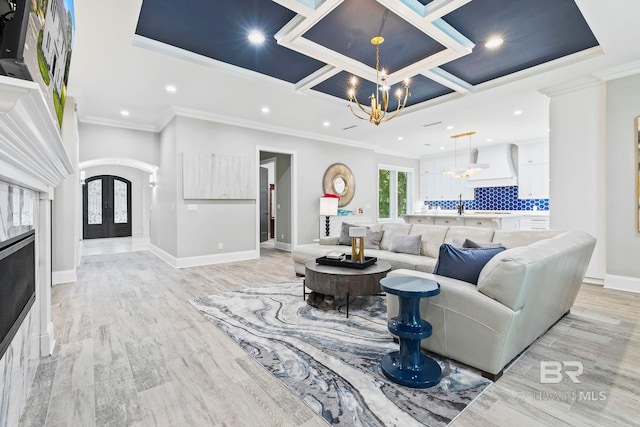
[67, 196]
[577, 166]
[99, 142]
[203, 224]
[164, 227]
[623, 239]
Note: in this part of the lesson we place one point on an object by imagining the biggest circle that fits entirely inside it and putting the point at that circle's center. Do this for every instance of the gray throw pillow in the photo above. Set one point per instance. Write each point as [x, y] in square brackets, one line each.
[344, 234]
[406, 244]
[480, 245]
[372, 239]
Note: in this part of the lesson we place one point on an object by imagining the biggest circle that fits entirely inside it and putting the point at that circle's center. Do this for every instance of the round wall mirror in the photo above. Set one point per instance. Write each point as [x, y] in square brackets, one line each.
[338, 179]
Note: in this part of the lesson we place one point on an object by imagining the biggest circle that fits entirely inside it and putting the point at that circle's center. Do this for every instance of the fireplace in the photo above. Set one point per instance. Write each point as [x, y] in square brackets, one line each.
[17, 284]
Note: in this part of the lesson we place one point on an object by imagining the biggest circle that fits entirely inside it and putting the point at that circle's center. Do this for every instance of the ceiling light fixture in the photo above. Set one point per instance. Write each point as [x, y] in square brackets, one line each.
[494, 42]
[170, 88]
[400, 138]
[449, 127]
[467, 170]
[517, 112]
[380, 99]
[326, 124]
[124, 113]
[265, 110]
[256, 37]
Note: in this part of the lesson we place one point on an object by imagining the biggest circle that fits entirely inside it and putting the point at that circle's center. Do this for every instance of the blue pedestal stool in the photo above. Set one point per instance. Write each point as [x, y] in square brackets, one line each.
[409, 366]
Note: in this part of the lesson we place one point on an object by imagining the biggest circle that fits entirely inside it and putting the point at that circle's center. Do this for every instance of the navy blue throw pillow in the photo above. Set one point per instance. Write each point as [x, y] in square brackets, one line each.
[463, 264]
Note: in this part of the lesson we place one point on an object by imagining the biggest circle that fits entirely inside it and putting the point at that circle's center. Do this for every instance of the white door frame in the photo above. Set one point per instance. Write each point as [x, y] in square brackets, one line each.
[293, 232]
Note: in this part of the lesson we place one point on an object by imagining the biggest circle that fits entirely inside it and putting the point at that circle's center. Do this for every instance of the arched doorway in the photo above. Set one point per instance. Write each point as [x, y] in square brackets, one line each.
[106, 207]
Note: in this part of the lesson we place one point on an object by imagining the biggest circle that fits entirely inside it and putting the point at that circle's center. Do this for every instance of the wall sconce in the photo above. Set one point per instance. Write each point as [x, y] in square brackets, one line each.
[152, 180]
[82, 177]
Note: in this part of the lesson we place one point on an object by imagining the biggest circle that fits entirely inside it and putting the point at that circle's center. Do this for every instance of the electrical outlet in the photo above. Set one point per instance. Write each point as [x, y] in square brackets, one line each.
[219, 245]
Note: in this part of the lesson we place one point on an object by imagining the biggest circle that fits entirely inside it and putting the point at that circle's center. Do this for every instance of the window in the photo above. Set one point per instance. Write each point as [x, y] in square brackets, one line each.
[395, 192]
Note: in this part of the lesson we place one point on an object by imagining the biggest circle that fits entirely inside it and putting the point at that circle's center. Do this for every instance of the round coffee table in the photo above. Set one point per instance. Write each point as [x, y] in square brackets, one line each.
[327, 280]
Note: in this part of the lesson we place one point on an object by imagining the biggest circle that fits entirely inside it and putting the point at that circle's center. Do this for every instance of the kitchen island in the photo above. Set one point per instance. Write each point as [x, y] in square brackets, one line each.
[505, 220]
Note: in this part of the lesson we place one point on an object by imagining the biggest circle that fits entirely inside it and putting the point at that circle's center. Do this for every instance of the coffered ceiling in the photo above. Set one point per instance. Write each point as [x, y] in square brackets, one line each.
[124, 57]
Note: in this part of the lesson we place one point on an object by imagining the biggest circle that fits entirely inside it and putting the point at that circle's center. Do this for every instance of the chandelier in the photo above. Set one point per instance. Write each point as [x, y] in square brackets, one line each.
[467, 170]
[380, 99]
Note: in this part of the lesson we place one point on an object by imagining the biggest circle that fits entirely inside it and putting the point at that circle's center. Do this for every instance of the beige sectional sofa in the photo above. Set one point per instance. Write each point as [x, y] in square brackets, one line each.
[521, 292]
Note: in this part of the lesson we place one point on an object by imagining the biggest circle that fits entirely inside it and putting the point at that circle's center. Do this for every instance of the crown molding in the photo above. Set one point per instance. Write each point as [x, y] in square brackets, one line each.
[571, 86]
[625, 70]
[118, 124]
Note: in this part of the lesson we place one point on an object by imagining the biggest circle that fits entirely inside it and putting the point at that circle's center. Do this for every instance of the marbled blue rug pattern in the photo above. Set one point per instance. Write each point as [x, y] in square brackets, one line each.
[333, 363]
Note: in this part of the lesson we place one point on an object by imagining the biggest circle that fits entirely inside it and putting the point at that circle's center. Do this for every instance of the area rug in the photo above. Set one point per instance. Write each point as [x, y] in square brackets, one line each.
[332, 362]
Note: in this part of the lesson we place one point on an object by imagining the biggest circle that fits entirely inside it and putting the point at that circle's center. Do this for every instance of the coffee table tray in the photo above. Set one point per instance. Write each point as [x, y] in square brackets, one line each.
[368, 261]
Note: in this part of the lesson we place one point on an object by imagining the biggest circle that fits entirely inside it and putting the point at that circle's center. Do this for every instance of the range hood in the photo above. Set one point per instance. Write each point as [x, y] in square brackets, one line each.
[501, 172]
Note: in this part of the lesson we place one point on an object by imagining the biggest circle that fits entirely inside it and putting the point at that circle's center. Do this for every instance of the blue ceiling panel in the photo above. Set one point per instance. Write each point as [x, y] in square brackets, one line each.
[218, 29]
[534, 32]
[421, 89]
[349, 28]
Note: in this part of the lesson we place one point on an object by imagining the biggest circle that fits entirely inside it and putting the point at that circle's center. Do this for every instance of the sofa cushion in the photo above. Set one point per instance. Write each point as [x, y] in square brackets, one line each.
[372, 239]
[432, 238]
[474, 233]
[463, 264]
[409, 244]
[390, 229]
[344, 234]
[480, 245]
[515, 238]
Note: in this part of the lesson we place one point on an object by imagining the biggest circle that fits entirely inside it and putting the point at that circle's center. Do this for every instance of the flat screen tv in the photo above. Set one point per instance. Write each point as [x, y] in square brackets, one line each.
[36, 39]
[17, 284]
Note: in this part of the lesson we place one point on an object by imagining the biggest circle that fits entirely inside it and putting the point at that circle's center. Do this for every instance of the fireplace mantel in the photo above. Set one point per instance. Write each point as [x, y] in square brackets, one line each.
[32, 155]
[31, 149]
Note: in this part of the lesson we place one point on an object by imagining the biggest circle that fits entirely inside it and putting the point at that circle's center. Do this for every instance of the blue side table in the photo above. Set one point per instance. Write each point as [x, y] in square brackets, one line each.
[409, 366]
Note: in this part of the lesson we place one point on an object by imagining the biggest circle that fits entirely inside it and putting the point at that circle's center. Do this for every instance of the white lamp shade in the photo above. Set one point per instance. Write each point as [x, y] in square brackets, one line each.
[328, 206]
[357, 231]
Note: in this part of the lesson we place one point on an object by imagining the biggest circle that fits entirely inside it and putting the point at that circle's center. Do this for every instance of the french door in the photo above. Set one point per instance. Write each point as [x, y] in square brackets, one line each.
[106, 207]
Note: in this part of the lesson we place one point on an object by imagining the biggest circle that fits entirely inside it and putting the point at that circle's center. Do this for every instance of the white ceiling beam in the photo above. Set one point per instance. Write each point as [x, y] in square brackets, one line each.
[319, 76]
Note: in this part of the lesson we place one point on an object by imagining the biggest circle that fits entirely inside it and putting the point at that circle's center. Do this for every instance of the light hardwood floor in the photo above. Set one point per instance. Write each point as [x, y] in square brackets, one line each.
[131, 350]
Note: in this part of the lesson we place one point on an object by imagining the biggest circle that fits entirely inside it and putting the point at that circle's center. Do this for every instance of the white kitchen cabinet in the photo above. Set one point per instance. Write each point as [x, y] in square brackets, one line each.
[482, 223]
[534, 223]
[434, 185]
[533, 171]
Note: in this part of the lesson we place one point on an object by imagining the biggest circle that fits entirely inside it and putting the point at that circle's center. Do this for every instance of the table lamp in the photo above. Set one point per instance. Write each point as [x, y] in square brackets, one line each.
[357, 243]
[328, 207]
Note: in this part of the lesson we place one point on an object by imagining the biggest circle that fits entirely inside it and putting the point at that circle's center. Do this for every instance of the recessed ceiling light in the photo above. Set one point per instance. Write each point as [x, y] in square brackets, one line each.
[400, 138]
[256, 37]
[170, 88]
[489, 139]
[124, 113]
[517, 112]
[326, 124]
[265, 110]
[442, 148]
[449, 127]
[493, 42]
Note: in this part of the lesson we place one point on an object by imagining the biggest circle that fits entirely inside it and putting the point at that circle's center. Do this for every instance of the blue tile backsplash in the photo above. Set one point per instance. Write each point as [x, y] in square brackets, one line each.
[495, 199]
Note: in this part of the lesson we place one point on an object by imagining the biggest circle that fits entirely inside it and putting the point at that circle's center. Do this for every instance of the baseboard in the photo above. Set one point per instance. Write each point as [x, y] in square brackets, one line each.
[66, 276]
[593, 281]
[622, 283]
[282, 246]
[165, 256]
[202, 259]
